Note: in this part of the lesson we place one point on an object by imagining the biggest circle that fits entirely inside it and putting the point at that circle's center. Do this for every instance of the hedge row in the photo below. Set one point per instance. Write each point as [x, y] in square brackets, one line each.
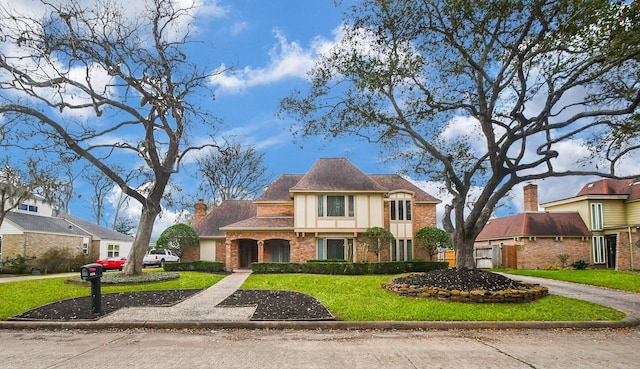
[197, 266]
[361, 268]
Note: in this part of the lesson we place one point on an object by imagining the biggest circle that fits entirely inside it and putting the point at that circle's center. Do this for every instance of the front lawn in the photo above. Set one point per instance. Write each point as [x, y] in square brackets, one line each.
[362, 298]
[621, 280]
[21, 296]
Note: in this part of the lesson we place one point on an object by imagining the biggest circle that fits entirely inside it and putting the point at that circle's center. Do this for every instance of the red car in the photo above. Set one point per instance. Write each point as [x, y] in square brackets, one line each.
[112, 263]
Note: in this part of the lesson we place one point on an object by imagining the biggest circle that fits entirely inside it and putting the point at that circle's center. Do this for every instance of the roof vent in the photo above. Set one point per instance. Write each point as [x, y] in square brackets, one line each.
[590, 185]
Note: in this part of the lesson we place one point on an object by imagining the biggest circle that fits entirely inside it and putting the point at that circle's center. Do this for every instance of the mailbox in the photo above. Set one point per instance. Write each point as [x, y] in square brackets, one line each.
[91, 271]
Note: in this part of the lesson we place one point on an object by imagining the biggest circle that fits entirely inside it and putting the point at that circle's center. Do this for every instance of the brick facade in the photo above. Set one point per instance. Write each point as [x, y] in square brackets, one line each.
[541, 252]
[628, 258]
[275, 210]
[37, 244]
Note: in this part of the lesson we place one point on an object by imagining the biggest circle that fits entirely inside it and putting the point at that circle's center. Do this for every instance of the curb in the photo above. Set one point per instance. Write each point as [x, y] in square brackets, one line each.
[319, 325]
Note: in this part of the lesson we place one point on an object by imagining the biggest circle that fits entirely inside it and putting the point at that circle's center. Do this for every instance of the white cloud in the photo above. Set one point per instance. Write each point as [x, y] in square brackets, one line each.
[286, 60]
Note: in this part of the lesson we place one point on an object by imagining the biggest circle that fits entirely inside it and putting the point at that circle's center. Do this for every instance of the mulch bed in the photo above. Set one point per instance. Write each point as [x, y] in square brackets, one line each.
[79, 308]
[271, 305]
[461, 279]
[279, 305]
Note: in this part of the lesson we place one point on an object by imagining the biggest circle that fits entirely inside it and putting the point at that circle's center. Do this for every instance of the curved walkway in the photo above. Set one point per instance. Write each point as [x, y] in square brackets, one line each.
[200, 311]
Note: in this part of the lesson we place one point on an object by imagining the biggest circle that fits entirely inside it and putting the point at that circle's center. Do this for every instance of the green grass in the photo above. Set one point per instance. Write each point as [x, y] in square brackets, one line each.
[621, 280]
[21, 296]
[362, 298]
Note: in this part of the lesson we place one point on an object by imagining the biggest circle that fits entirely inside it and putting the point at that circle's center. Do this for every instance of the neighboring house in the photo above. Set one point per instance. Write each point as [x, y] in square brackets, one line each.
[611, 210]
[35, 227]
[599, 225]
[317, 215]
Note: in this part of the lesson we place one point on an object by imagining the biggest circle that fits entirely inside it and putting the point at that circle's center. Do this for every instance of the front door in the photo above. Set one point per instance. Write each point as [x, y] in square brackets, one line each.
[611, 251]
[248, 253]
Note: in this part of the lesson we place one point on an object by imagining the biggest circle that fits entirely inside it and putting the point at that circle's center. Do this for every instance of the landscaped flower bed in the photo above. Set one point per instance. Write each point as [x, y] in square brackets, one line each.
[466, 286]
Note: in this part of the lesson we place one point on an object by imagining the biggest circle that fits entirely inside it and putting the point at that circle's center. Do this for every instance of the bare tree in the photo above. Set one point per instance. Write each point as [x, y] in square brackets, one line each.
[18, 185]
[234, 172]
[484, 94]
[101, 185]
[109, 87]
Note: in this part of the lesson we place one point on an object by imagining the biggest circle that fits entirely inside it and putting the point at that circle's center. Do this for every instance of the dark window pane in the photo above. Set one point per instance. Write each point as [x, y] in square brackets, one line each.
[335, 206]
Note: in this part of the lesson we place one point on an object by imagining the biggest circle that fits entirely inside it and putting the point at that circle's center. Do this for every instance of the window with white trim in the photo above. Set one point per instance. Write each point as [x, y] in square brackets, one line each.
[113, 251]
[597, 221]
[336, 206]
[402, 250]
[400, 210]
[598, 250]
[335, 248]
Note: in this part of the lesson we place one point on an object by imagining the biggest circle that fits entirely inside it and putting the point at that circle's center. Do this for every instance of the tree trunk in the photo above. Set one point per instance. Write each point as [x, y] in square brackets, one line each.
[140, 242]
[464, 253]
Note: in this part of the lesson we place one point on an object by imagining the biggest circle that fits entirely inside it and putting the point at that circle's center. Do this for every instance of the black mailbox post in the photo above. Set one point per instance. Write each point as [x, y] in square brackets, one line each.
[93, 273]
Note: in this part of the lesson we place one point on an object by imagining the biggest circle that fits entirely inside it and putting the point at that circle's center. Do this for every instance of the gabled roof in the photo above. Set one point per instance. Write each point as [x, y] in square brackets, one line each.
[336, 174]
[96, 230]
[279, 189]
[44, 224]
[394, 182]
[539, 224]
[228, 212]
[609, 186]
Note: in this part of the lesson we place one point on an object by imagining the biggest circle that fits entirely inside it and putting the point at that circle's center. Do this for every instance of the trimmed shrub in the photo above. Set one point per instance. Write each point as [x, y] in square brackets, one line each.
[196, 266]
[60, 260]
[345, 268]
[580, 265]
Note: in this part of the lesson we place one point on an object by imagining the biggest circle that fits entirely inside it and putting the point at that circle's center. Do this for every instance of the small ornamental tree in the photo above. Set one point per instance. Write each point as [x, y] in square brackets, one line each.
[376, 239]
[178, 238]
[430, 238]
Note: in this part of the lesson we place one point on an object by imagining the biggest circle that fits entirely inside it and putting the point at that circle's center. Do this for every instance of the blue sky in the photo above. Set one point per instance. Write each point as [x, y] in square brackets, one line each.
[271, 44]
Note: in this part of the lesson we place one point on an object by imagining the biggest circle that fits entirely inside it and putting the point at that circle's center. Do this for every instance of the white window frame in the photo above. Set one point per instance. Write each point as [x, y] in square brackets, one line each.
[597, 219]
[400, 210]
[599, 250]
[401, 250]
[113, 250]
[348, 208]
[322, 251]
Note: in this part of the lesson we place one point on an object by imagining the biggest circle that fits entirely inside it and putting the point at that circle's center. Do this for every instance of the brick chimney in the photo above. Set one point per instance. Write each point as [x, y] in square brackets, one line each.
[530, 197]
[200, 211]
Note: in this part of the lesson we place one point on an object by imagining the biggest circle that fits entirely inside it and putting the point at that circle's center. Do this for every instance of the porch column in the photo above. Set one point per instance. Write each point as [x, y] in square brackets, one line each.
[260, 251]
[227, 257]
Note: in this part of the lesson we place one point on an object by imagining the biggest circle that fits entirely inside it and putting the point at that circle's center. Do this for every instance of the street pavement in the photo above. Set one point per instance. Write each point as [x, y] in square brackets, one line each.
[353, 349]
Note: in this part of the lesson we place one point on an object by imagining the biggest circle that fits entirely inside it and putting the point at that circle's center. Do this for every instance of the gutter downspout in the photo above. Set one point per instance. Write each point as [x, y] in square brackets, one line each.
[630, 249]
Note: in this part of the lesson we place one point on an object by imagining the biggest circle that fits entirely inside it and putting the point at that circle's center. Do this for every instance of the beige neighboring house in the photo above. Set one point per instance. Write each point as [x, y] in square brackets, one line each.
[611, 210]
[34, 227]
[599, 225]
[317, 215]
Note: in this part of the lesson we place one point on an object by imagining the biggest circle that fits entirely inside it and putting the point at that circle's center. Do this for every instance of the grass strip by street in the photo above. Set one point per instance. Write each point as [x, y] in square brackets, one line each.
[621, 280]
[362, 298]
[21, 296]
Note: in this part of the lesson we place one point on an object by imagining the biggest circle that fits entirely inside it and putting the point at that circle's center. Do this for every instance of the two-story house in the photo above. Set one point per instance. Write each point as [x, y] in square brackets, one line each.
[611, 210]
[34, 227]
[317, 215]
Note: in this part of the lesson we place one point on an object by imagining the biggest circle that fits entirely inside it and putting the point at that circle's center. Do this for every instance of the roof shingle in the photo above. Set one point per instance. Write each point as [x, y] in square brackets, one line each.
[559, 224]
